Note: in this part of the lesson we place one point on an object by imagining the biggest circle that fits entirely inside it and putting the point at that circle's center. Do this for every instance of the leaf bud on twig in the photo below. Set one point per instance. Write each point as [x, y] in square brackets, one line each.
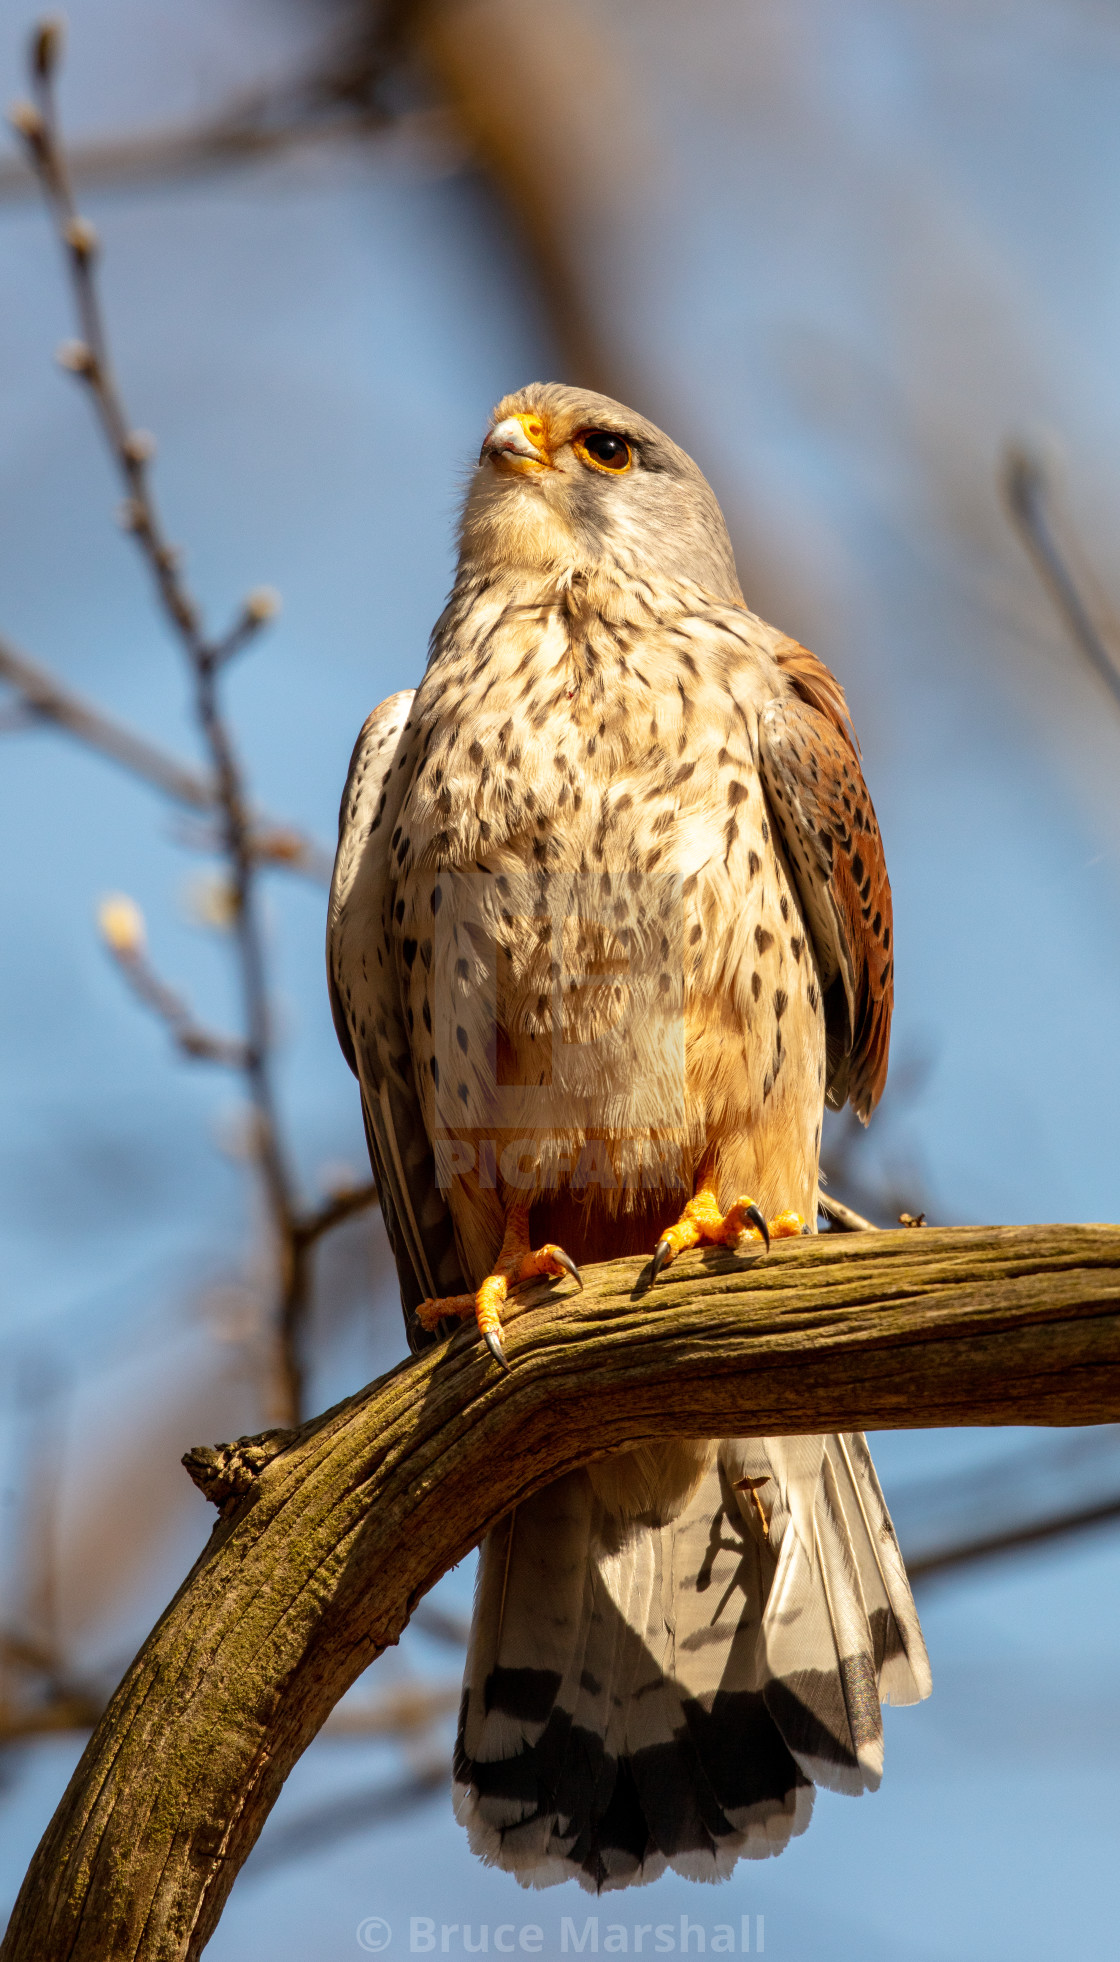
[81, 237]
[47, 44]
[121, 924]
[130, 514]
[211, 901]
[139, 446]
[262, 604]
[28, 123]
[77, 358]
[279, 846]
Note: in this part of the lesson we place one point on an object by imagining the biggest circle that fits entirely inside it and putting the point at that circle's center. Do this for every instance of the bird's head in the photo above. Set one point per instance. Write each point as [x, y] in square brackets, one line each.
[569, 480]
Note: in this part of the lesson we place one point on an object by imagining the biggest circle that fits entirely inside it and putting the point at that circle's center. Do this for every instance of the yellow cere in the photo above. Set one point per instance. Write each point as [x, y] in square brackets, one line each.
[534, 429]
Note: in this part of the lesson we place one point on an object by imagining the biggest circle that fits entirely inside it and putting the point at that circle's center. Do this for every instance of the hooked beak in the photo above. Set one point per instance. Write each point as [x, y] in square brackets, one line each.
[517, 440]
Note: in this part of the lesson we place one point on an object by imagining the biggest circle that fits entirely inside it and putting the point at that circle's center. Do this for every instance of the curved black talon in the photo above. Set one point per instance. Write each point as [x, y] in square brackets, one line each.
[661, 1255]
[569, 1266]
[758, 1219]
[493, 1342]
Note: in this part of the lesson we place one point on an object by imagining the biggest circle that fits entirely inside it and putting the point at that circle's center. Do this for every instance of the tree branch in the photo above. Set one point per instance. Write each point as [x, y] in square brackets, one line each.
[338, 93]
[44, 698]
[845, 1218]
[49, 701]
[190, 1036]
[1027, 491]
[1035, 1532]
[330, 1535]
[328, 1823]
[333, 1211]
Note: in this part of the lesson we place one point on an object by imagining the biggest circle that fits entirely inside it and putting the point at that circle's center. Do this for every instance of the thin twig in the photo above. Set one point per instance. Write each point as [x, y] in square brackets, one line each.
[879, 1198]
[1027, 490]
[47, 700]
[305, 1230]
[845, 1217]
[340, 1206]
[337, 95]
[338, 1819]
[452, 1630]
[89, 358]
[64, 1710]
[400, 1715]
[185, 150]
[1035, 1533]
[202, 1045]
[405, 1712]
[58, 1703]
[42, 697]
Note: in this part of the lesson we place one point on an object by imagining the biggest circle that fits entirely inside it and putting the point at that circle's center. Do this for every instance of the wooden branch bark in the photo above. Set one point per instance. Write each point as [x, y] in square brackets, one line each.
[331, 1534]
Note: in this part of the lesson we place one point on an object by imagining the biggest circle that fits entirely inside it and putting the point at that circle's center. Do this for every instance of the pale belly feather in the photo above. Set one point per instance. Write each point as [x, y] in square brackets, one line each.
[608, 982]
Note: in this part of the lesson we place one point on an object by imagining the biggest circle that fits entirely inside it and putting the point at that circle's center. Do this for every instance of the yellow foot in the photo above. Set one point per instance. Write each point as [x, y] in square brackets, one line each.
[516, 1264]
[702, 1223]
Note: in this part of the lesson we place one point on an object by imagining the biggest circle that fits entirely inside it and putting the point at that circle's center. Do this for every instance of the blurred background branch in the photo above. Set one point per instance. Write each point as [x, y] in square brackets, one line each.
[339, 93]
[43, 698]
[1030, 500]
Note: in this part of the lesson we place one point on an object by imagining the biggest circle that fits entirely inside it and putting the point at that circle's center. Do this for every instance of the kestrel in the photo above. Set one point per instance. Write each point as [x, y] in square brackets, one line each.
[610, 925]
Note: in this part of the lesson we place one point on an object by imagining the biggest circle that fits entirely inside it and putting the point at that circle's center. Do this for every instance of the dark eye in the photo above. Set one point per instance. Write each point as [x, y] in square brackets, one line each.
[601, 447]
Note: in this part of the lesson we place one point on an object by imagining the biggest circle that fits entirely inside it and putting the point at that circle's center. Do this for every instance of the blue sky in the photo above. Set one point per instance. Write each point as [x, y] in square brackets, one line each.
[879, 244]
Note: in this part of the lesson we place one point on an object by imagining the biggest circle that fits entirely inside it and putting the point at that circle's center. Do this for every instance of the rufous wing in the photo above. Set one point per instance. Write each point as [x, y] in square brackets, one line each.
[828, 829]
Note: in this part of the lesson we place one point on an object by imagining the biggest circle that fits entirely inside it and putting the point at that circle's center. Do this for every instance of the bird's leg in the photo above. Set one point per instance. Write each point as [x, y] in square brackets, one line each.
[703, 1224]
[516, 1263]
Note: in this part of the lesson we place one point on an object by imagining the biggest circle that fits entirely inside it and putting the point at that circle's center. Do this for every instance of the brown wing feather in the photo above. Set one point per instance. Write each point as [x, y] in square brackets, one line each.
[810, 768]
[817, 686]
[369, 1016]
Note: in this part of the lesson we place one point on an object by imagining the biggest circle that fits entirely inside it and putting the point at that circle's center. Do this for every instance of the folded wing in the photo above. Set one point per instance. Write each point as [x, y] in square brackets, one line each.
[369, 1016]
[828, 830]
